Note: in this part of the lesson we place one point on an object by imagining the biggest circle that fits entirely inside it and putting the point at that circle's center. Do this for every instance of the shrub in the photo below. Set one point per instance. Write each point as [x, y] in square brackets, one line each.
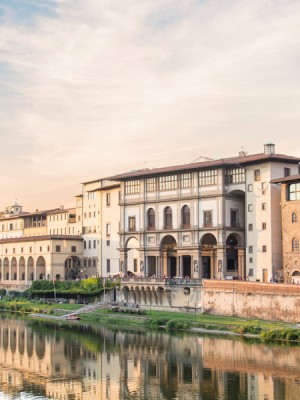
[173, 325]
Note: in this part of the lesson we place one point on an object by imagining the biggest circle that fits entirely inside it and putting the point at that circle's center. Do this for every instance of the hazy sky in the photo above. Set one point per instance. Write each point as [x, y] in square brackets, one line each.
[91, 88]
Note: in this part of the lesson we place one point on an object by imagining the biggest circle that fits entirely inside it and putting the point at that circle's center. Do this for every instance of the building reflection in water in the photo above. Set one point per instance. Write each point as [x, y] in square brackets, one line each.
[79, 362]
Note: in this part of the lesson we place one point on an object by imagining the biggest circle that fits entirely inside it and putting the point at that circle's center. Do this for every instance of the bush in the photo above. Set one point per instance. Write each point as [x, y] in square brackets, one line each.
[292, 335]
[174, 326]
[249, 328]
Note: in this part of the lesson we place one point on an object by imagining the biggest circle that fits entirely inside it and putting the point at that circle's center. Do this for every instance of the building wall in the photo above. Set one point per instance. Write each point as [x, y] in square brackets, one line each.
[290, 232]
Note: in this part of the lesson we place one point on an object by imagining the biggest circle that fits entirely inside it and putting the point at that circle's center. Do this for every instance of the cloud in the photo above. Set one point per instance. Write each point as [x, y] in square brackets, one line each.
[90, 88]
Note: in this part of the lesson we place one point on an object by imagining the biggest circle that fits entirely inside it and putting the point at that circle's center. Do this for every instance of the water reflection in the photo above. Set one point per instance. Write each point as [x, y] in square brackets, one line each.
[78, 362]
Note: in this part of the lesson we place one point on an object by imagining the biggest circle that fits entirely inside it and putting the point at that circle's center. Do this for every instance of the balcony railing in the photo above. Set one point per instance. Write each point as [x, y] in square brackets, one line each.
[163, 281]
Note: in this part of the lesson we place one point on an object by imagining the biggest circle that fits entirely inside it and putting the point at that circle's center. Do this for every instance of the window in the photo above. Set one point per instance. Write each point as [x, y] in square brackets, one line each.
[151, 219]
[48, 248]
[30, 249]
[185, 216]
[150, 185]
[167, 182]
[250, 249]
[250, 207]
[73, 249]
[250, 271]
[57, 249]
[94, 244]
[294, 217]
[293, 191]
[264, 249]
[250, 227]
[264, 206]
[207, 219]
[234, 175]
[84, 262]
[41, 249]
[84, 244]
[132, 187]
[263, 188]
[287, 172]
[264, 225]
[131, 224]
[295, 246]
[233, 218]
[108, 265]
[108, 243]
[90, 244]
[107, 229]
[250, 260]
[208, 178]
[22, 250]
[89, 262]
[135, 263]
[107, 199]
[14, 250]
[94, 262]
[257, 175]
[250, 187]
[168, 218]
[185, 180]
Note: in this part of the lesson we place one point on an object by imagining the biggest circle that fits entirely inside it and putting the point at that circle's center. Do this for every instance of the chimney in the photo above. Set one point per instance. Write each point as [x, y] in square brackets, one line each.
[269, 148]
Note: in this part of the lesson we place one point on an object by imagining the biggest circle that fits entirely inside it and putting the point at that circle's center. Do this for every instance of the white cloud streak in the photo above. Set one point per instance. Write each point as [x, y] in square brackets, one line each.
[105, 86]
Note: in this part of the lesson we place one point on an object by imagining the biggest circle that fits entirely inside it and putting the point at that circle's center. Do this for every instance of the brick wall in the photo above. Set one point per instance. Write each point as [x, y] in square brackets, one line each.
[269, 301]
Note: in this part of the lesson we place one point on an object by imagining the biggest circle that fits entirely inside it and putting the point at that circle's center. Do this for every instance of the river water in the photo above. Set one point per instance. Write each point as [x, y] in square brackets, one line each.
[46, 361]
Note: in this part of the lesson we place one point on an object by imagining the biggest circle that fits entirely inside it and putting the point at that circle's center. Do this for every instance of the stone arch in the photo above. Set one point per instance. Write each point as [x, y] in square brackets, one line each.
[133, 264]
[126, 291]
[6, 275]
[150, 219]
[168, 246]
[296, 277]
[14, 267]
[22, 269]
[208, 243]
[40, 268]
[30, 269]
[233, 241]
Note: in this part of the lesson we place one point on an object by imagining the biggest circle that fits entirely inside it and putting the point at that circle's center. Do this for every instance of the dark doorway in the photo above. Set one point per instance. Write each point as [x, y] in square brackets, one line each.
[206, 267]
[186, 267]
[173, 269]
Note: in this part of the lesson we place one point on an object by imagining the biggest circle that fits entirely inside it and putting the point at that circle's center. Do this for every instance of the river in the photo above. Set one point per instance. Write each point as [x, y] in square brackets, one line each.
[74, 362]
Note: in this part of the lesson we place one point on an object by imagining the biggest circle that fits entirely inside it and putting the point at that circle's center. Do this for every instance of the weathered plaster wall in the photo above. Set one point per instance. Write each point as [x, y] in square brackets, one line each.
[267, 301]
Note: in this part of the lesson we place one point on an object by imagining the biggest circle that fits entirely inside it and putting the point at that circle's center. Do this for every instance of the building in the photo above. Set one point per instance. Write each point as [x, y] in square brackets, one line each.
[290, 208]
[211, 219]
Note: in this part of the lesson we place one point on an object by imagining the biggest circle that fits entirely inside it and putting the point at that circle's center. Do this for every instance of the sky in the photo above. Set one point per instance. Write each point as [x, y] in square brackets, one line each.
[93, 88]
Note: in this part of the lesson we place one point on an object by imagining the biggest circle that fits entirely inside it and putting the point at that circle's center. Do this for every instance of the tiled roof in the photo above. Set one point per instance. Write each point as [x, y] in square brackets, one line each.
[40, 238]
[240, 161]
[292, 178]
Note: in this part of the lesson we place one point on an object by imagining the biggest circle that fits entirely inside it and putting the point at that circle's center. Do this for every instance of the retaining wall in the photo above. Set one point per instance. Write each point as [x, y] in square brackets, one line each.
[268, 301]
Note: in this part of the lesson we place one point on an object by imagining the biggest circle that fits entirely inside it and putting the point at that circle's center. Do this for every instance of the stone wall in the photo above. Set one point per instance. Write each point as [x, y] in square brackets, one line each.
[268, 301]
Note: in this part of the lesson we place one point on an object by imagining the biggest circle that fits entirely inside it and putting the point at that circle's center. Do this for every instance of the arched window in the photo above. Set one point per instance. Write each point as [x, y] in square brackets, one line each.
[294, 217]
[151, 218]
[295, 246]
[185, 216]
[168, 218]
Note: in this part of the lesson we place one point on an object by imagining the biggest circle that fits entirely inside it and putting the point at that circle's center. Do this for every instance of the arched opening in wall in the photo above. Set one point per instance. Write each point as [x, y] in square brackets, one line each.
[169, 256]
[22, 269]
[296, 277]
[14, 269]
[232, 264]
[40, 268]
[125, 292]
[6, 269]
[208, 250]
[30, 269]
[72, 268]
[133, 263]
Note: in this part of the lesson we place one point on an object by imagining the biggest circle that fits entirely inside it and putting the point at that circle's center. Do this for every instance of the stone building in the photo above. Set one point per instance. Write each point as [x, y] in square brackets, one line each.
[290, 208]
[211, 219]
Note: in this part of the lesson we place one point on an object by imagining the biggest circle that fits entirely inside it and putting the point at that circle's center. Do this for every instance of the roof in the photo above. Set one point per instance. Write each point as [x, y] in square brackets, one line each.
[236, 162]
[40, 238]
[292, 178]
[103, 188]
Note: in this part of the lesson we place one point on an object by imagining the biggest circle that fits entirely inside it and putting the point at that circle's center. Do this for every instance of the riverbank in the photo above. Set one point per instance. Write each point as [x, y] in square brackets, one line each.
[169, 321]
